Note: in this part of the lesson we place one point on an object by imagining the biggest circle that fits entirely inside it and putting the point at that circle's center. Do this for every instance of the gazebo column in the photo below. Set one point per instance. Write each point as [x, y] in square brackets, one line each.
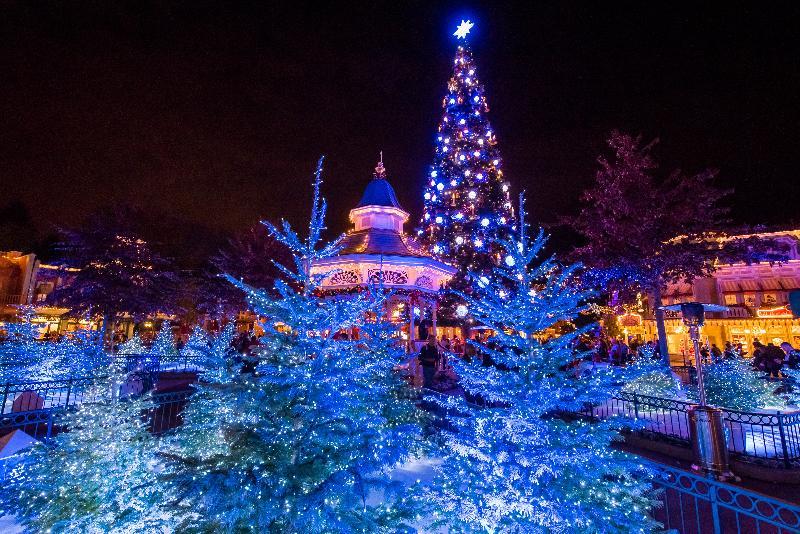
[434, 308]
[412, 347]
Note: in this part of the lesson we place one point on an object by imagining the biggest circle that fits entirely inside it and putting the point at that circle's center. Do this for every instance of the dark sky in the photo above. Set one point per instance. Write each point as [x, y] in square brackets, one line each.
[217, 111]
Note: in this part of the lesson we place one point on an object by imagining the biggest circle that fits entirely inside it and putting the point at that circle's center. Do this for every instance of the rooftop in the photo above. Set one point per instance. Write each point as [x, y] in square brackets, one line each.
[379, 192]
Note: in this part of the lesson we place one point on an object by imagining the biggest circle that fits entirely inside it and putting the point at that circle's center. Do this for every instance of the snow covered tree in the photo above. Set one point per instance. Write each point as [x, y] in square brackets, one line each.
[643, 231]
[303, 443]
[97, 477]
[467, 206]
[521, 465]
[733, 384]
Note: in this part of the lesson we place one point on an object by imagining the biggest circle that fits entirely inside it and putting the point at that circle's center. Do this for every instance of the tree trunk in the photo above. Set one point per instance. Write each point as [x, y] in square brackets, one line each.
[662, 329]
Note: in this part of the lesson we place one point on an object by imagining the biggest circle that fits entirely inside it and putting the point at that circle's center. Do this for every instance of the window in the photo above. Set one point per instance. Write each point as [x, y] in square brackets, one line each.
[750, 300]
[731, 300]
[769, 299]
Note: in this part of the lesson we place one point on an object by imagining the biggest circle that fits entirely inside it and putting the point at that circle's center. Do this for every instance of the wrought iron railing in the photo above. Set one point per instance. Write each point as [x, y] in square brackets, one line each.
[11, 299]
[694, 504]
[767, 438]
[36, 408]
[153, 363]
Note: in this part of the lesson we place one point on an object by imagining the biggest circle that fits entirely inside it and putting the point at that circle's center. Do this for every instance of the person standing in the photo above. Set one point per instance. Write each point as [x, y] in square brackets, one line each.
[429, 360]
[730, 352]
[773, 358]
[792, 359]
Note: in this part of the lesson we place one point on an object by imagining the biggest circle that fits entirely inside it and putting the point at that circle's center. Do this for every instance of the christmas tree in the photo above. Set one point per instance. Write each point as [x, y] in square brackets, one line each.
[198, 344]
[97, 477]
[25, 357]
[133, 347]
[304, 442]
[467, 206]
[163, 346]
[522, 465]
[734, 385]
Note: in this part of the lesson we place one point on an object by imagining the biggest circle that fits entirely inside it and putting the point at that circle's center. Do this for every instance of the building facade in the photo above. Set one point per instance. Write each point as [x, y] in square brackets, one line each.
[757, 296]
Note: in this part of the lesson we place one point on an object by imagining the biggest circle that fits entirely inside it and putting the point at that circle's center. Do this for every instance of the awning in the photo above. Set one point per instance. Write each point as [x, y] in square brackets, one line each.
[770, 283]
[789, 283]
[749, 285]
[729, 286]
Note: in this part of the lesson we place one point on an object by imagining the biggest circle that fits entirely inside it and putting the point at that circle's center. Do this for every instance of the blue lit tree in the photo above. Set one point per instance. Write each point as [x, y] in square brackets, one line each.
[304, 443]
[467, 206]
[164, 344]
[522, 465]
[25, 357]
[197, 345]
[98, 477]
[733, 384]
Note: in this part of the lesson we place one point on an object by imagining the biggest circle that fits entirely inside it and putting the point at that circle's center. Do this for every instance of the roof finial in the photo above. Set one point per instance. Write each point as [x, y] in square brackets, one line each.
[380, 170]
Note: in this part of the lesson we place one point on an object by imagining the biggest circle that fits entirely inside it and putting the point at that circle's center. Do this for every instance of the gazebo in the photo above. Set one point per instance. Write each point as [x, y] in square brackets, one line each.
[376, 251]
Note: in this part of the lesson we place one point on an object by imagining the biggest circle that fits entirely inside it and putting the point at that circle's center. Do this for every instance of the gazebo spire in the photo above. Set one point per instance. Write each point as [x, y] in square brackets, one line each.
[380, 170]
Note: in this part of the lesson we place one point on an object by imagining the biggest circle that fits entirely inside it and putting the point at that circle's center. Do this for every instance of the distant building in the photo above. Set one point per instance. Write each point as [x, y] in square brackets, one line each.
[757, 294]
[25, 281]
[17, 276]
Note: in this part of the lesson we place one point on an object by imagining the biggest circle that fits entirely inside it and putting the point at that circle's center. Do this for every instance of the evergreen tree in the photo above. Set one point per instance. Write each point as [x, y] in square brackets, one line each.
[97, 477]
[467, 206]
[25, 357]
[734, 385]
[304, 443]
[163, 346]
[133, 347]
[653, 380]
[198, 344]
[521, 465]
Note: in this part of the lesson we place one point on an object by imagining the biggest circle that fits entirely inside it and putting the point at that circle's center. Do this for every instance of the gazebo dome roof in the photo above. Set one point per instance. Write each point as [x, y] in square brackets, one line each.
[379, 192]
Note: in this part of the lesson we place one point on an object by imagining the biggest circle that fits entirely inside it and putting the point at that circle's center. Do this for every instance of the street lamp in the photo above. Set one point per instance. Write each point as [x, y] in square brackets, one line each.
[709, 447]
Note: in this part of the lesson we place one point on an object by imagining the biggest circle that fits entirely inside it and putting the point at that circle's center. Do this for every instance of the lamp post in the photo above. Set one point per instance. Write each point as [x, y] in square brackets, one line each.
[706, 432]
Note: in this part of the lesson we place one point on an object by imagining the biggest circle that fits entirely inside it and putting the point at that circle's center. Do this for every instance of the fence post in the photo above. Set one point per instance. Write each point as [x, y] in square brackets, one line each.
[712, 498]
[69, 390]
[5, 398]
[49, 433]
[636, 407]
[784, 448]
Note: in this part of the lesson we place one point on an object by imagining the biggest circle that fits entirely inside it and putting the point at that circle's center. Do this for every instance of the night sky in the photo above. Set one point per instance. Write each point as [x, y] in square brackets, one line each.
[216, 111]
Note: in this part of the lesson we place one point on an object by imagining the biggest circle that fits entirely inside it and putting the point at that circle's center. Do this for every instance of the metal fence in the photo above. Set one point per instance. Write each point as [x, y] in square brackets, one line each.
[692, 504]
[151, 363]
[767, 438]
[37, 408]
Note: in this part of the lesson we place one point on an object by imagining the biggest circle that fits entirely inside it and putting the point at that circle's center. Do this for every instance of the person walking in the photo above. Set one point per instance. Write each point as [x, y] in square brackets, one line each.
[429, 360]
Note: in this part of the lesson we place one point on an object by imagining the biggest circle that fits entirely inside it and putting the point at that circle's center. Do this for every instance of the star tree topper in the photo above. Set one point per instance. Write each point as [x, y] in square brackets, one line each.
[463, 29]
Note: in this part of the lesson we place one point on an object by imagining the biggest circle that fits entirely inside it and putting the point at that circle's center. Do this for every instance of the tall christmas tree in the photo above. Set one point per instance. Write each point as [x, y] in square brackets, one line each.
[467, 205]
